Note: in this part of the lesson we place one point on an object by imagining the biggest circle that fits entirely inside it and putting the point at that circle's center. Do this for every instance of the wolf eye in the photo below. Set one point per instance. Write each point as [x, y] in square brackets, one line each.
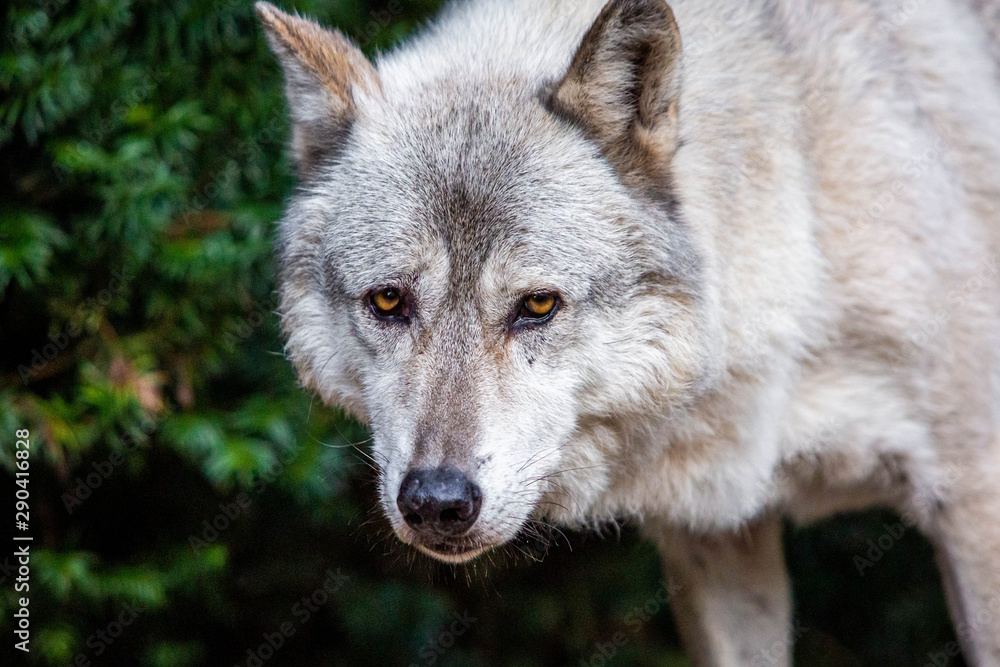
[387, 303]
[540, 305]
[537, 308]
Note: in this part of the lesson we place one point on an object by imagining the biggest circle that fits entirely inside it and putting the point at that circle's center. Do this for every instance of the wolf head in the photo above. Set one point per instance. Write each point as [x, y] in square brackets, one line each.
[485, 261]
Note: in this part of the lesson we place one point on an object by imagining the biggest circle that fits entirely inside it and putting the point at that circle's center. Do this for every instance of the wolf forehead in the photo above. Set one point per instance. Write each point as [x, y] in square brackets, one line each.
[467, 172]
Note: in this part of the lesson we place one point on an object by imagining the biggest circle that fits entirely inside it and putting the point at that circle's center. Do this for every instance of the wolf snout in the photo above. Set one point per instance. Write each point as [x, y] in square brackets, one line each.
[440, 501]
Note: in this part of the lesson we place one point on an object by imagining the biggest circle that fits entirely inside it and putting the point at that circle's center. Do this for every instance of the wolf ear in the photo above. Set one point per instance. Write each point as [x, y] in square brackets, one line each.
[324, 73]
[623, 83]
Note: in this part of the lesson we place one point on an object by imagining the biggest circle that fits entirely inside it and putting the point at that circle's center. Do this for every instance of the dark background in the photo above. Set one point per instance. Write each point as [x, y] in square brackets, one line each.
[145, 140]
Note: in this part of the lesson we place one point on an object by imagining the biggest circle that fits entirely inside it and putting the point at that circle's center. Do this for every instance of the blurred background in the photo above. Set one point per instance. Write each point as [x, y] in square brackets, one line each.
[190, 505]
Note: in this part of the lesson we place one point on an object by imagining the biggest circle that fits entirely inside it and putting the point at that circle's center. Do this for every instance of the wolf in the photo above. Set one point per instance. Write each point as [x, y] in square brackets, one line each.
[710, 265]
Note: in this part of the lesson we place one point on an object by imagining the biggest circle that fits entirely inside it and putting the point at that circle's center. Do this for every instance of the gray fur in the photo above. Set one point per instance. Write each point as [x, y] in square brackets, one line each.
[777, 258]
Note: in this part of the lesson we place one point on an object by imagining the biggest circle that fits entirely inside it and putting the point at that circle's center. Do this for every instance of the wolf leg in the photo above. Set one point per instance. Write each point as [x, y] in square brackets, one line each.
[732, 601]
[965, 529]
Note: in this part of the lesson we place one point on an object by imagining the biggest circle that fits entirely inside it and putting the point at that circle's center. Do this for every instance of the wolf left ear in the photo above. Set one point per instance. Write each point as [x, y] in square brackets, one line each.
[623, 84]
[324, 74]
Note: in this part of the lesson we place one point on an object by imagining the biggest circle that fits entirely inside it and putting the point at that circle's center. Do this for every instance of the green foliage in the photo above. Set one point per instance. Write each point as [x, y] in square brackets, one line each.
[177, 469]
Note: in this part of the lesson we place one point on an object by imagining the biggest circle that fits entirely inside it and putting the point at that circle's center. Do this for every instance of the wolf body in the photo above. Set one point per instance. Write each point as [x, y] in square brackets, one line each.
[767, 237]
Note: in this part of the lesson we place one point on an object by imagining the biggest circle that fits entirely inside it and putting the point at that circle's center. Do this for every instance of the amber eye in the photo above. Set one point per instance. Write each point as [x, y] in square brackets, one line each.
[538, 307]
[387, 303]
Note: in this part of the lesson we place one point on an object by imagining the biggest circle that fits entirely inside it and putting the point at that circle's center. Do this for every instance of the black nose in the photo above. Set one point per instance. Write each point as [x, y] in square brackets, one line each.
[440, 500]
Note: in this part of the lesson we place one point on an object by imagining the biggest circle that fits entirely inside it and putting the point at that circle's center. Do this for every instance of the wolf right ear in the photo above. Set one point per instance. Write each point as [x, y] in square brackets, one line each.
[623, 84]
[324, 74]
